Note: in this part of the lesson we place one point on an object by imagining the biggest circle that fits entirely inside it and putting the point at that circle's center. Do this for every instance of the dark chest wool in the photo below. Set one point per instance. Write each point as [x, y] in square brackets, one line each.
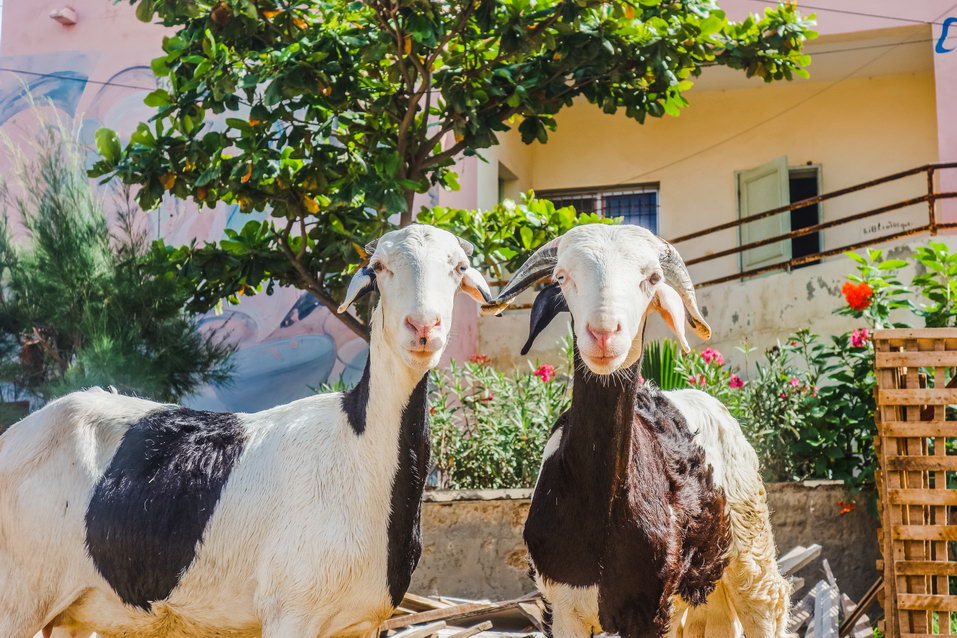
[405, 529]
[627, 504]
[150, 508]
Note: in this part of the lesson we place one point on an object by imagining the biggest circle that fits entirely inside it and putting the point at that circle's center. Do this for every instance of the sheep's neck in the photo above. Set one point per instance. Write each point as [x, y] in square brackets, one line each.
[388, 410]
[596, 439]
[387, 390]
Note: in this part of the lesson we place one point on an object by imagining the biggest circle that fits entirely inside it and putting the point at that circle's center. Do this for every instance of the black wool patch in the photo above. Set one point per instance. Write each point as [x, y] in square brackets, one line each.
[150, 509]
[405, 532]
[354, 401]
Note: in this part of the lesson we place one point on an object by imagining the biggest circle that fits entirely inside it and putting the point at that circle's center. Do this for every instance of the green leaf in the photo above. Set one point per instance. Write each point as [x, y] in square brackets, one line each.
[159, 97]
[108, 144]
[144, 11]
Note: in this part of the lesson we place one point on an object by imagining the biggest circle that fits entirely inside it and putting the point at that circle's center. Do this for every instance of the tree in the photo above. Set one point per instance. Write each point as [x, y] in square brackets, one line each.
[79, 307]
[339, 112]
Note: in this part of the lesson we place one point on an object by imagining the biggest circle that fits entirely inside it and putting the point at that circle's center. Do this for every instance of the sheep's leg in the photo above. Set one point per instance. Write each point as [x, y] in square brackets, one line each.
[678, 618]
[761, 601]
[20, 616]
[568, 623]
[574, 610]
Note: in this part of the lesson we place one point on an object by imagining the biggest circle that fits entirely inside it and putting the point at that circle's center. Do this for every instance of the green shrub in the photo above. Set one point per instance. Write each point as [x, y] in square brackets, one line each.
[489, 428]
[81, 306]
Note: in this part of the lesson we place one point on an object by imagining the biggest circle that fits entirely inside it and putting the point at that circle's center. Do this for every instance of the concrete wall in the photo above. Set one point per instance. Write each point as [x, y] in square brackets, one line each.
[474, 549]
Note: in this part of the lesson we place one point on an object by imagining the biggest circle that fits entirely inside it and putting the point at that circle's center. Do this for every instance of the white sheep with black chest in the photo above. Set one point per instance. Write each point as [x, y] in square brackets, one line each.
[132, 518]
[647, 501]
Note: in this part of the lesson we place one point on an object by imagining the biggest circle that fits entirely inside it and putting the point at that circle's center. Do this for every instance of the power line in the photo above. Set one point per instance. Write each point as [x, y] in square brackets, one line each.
[75, 79]
[861, 13]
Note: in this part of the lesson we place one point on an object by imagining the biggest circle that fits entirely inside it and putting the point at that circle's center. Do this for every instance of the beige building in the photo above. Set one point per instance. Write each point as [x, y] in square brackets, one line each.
[870, 109]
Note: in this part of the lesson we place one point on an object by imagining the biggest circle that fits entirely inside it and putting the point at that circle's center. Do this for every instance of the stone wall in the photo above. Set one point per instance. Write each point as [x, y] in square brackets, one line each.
[473, 540]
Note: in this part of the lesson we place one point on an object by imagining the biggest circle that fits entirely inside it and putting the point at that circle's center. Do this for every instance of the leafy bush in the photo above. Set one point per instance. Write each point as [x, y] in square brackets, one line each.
[507, 234]
[808, 408]
[81, 307]
[489, 428]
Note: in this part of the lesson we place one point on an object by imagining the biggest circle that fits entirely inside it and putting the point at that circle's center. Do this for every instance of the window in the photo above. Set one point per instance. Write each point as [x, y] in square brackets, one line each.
[770, 186]
[635, 204]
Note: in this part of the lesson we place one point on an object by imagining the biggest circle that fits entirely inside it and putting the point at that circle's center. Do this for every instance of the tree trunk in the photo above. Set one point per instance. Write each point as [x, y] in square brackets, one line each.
[407, 217]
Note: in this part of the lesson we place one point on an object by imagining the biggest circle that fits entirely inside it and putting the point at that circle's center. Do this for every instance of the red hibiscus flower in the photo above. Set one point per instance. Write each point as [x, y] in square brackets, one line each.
[858, 296]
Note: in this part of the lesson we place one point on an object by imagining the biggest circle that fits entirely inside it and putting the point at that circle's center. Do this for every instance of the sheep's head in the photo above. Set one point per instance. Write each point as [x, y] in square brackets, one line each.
[417, 271]
[610, 278]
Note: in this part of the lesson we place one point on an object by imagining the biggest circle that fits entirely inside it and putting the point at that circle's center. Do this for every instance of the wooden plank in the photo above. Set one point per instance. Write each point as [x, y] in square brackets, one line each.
[894, 334]
[421, 632]
[534, 613]
[922, 497]
[917, 396]
[797, 561]
[926, 567]
[924, 532]
[922, 359]
[471, 631]
[922, 428]
[452, 612]
[419, 603]
[826, 611]
[927, 602]
[922, 463]
[801, 612]
[850, 623]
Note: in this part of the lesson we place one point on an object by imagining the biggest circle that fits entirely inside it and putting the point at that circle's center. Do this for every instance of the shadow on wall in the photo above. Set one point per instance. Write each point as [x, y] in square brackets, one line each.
[287, 343]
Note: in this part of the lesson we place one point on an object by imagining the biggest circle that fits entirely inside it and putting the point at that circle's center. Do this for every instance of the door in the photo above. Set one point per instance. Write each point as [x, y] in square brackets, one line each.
[761, 189]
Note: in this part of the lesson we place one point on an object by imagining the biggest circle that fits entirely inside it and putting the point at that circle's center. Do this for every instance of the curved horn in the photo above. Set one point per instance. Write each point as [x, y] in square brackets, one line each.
[541, 263]
[466, 246]
[676, 276]
[362, 282]
[370, 247]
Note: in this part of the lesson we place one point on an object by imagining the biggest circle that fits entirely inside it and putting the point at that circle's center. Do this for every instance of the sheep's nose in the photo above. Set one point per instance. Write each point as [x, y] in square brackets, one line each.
[602, 335]
[422, 327]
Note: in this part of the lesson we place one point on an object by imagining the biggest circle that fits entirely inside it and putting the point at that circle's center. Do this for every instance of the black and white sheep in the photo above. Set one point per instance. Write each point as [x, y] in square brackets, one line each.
[647, 501]
[131, 518]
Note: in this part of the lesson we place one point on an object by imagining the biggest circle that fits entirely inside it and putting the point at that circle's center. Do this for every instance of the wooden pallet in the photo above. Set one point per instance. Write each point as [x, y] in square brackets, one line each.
[915, 384]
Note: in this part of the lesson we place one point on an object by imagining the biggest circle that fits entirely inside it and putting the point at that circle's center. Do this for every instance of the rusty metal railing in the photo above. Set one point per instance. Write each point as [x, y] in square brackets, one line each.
[932, 226]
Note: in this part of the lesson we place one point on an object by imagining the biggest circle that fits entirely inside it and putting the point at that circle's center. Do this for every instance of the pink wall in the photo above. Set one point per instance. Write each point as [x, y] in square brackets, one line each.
[100, 74]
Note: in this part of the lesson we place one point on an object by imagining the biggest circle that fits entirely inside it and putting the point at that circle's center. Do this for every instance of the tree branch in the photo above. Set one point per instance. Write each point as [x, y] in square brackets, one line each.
[315, 287]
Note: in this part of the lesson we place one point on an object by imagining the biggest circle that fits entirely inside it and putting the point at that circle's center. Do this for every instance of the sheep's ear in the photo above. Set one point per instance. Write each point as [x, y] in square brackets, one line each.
[667, 302]
[362, 283]
[549, 302]
[473, 284]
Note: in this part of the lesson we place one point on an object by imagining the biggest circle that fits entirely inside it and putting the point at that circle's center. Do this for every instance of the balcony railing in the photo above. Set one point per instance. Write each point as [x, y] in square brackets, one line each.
[933, 225]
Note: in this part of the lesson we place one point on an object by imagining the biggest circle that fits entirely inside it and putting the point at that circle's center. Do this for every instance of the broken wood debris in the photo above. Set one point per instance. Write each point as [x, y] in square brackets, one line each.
[817, 614]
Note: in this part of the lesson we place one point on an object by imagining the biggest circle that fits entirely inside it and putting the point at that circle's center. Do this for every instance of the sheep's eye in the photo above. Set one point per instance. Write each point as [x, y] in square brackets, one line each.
[378, 267]
[462, 268]
[654, 278]
[560, 278]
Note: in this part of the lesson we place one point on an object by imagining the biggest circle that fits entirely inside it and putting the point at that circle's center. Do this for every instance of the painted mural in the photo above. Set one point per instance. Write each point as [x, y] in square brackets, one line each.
[287, 343]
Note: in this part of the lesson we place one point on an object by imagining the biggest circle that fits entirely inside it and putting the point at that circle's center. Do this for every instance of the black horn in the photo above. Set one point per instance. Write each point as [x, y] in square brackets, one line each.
[539, 265]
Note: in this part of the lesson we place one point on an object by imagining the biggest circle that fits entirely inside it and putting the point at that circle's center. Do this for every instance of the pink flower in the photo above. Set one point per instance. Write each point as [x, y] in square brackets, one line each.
[545, 372]
[710, 355]
[783, 396]
[860, 337]
[692, 381]
[794, 382]
[641, 380]
[735, 382]
[480, 359]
